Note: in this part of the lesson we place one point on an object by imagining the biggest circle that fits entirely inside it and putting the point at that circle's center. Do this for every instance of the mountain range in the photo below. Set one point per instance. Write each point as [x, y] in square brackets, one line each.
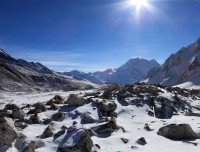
[179, 68]
[20, 75]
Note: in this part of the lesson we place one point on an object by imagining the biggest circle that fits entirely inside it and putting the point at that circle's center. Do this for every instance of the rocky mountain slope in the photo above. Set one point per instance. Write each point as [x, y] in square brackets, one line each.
[184, 66]
[20, 75]
[132, 71]
[137, 117]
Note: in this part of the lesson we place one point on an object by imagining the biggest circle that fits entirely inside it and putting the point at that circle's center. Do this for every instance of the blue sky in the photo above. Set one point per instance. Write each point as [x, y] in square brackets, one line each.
[93, 35]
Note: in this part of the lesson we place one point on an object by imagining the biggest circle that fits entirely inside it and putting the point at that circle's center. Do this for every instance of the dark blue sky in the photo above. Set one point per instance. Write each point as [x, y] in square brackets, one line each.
[92, 35]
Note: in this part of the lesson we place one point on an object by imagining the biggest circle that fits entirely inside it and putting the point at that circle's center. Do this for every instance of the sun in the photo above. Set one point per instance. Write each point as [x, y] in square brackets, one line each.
[139, 3]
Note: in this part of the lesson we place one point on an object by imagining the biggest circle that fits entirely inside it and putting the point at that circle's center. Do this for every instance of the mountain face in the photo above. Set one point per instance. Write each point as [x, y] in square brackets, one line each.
[130, 72]
[20, 75]
[184, 66]
[83, 76]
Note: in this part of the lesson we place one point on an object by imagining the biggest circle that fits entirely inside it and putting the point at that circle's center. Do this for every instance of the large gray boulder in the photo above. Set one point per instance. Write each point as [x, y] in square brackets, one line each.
[177, 132]
[77, 140]
[107, 107]
[8, 132]
[75, 100]
[18, 114]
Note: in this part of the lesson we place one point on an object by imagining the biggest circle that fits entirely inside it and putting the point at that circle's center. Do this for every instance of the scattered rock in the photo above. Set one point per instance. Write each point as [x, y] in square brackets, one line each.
[106, 128]
[107, 107]
[98, 146]
[46, 121]
[20, 125]
[40, 107]
[141, 141]
[147, 128]
[11, 107]
[8, 132]
[83, 142]
[18, 114]
[125, 140]
[59, 116]
[53, 107]
[59, 133]
[55, 100]
[75, 100]
[177, 132]
[48, 132]
[35, 119]
[86, 118]
[25, 145]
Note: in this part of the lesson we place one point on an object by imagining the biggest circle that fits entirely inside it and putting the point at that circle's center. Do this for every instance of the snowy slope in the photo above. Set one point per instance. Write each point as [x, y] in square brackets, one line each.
[132, 118]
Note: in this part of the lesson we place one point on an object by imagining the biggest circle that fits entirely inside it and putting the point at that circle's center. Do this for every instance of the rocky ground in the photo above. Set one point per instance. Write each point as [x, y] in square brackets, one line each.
[136, 117]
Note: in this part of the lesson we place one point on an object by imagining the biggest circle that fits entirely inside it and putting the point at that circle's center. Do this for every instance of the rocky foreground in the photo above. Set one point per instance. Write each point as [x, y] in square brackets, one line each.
[136, 117]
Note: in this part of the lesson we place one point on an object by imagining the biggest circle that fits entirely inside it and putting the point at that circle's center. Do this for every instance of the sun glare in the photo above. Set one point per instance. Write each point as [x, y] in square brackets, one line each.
[139, 3]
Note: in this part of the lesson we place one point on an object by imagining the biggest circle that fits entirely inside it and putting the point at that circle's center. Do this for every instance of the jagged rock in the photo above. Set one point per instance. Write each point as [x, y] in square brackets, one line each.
[141, 141]
[20, 125]
[11, 107]
[59, 116]
[107, 107]
[86, 118]
[58, 99]
[25, 145]
[53, 107]
[125, 140]
[40, 107]
[83, 144]
[147, 128]
[48, 132]
[46, 121]
[35, 119]
[106, 128]
[5, 113]
[59, 133]
[75, 100]
[8, 132]
[177, 132]
[18, 114]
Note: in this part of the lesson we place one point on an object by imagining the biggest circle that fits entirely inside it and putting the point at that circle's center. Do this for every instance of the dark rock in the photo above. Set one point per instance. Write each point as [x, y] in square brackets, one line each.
[107, 107]
[177, 132]
[11, 107]
[125, 140]
[59, 116]
[141, 141]
[98, 146]
[75, 100]
[84, 144]
[54, 107]
[59, 133]
[48, 132]
[46, 121]
[86, 118]
[106, 128]
[20, 125]
[147, 128]
[35, 119]
[40, 107]
[18, 114]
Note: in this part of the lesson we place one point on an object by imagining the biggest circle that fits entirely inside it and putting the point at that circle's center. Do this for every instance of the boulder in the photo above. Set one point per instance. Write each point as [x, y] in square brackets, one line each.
[53, 107]
[25, 145]
[75, 100]
[5, 113]
[18, 114]
[59, 116]
[77, 141]
[107, 107]
[20, 125]
[177, 132]
[40, 107]
[46, 121]
[86, 118]
[11, 107]
[35, 119]
[58, 99]
[48, 132]
[141, 141]
[106, 128]
[8, 132]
